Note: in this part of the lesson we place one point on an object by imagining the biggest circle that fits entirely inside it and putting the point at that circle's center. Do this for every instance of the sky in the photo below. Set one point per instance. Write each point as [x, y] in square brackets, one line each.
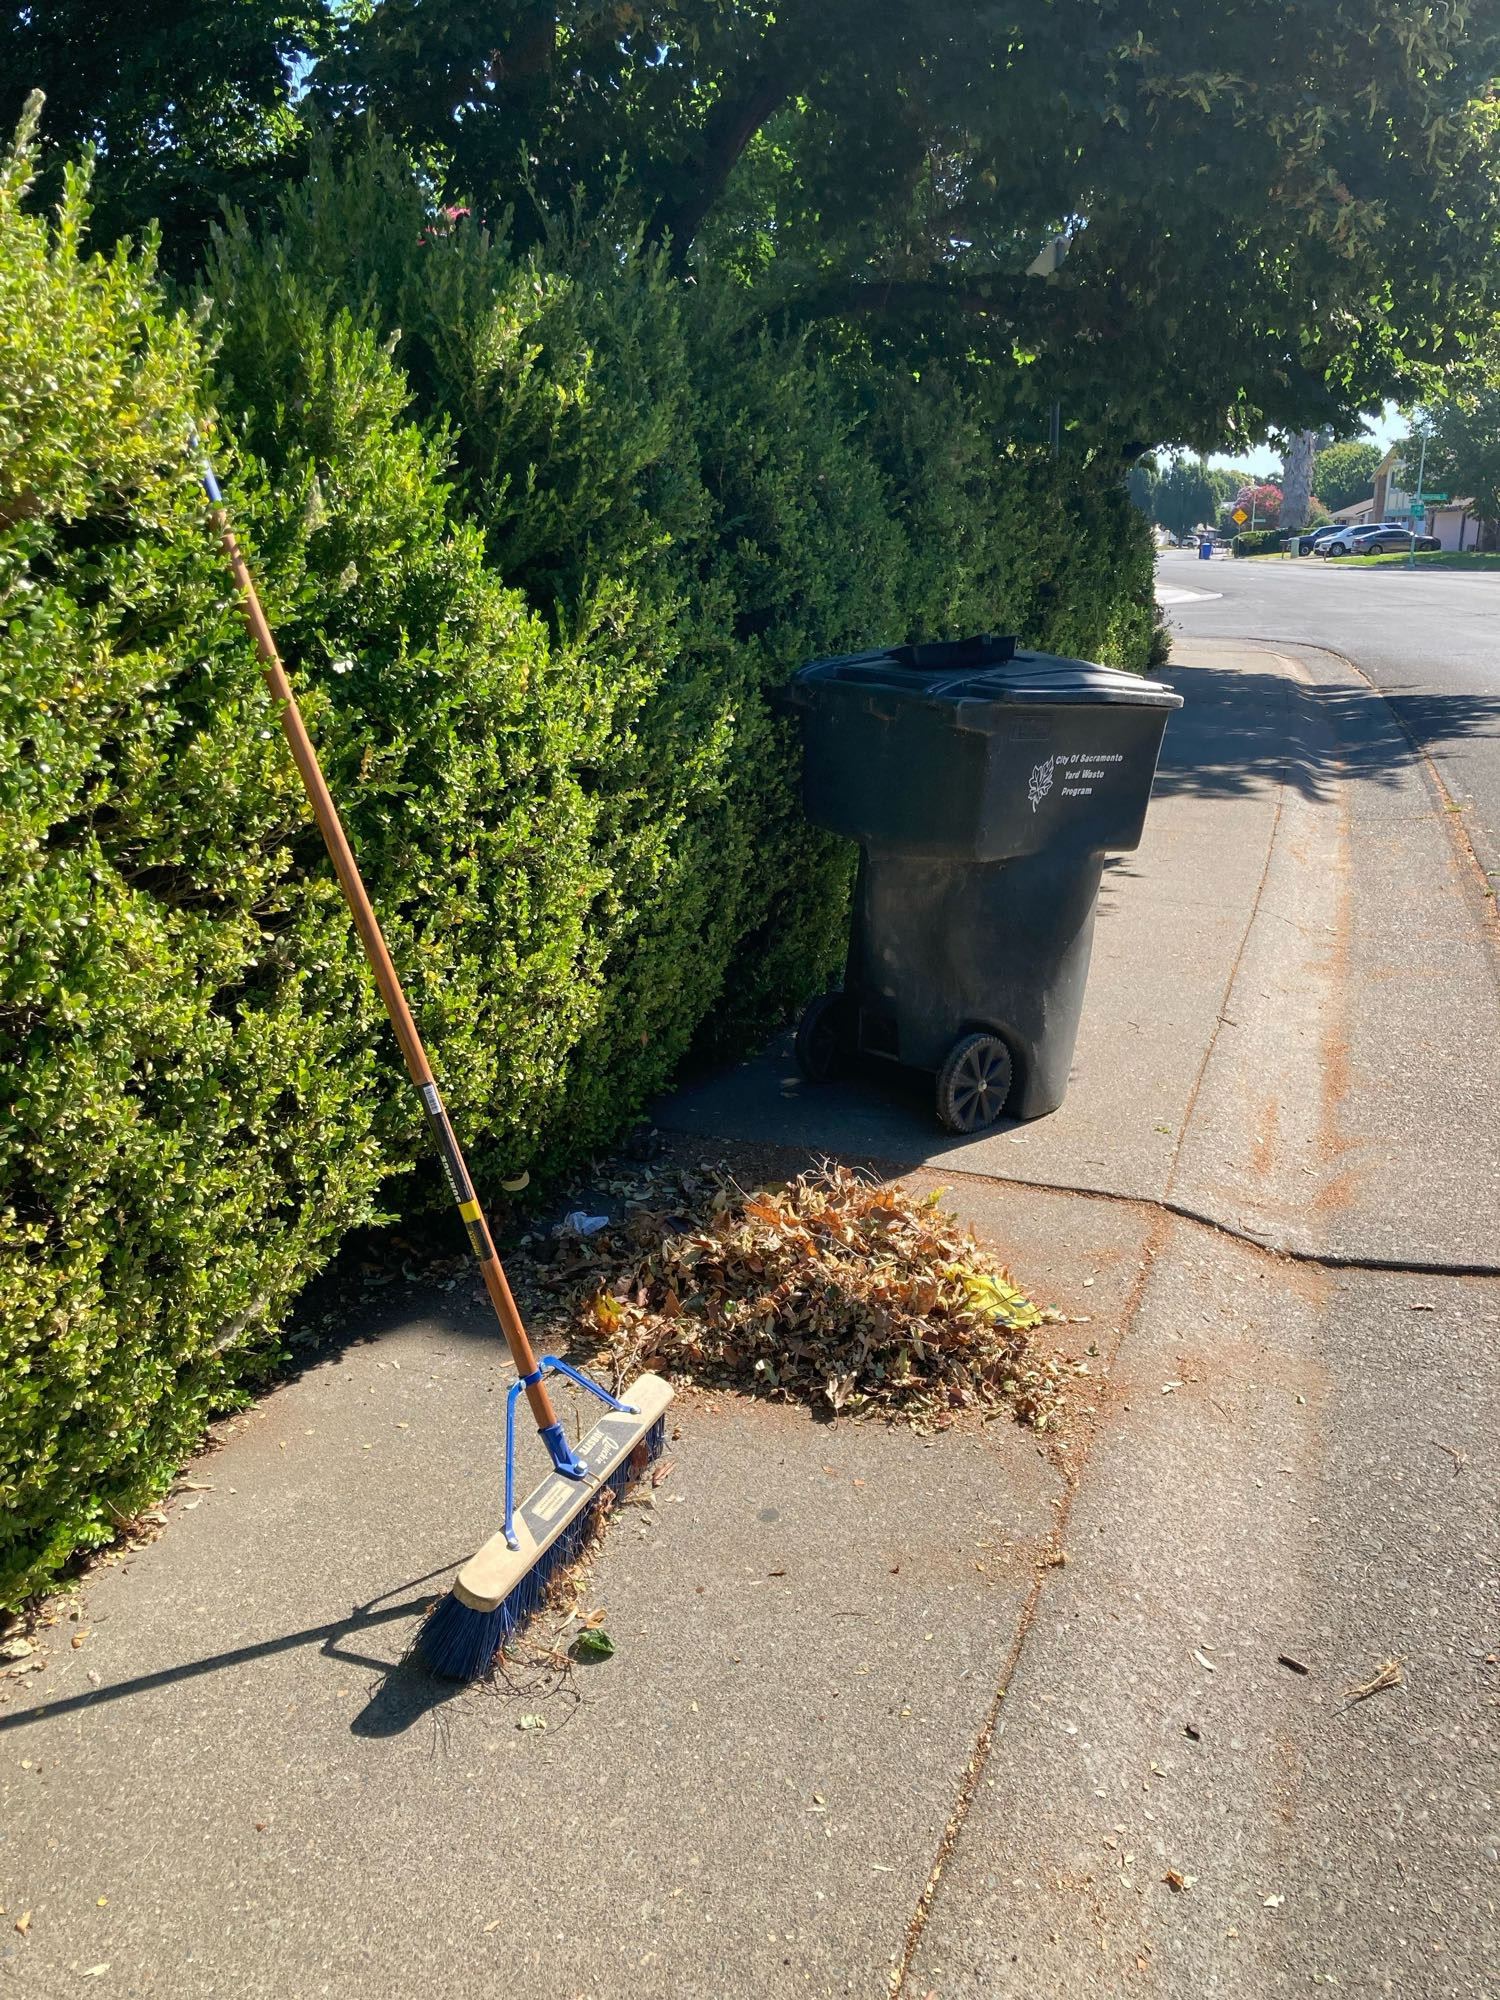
[1266, 459]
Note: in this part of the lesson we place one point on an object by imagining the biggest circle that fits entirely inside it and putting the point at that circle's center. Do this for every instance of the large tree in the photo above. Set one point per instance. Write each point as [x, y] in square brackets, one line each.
[1181, 496]
[1273, 215]
[1345, 473]
[1159, 221]
[1463, 449]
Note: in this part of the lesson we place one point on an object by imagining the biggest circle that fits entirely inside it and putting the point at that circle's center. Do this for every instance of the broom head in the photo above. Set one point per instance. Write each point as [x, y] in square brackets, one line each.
[500, 1587]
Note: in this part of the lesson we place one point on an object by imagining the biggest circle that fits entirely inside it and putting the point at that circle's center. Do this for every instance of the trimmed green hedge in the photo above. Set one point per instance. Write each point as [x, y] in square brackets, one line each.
[1264, 542]
[534, 562]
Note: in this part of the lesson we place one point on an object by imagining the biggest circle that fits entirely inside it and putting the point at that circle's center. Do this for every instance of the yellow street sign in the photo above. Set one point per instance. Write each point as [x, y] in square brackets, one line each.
[1239, 514]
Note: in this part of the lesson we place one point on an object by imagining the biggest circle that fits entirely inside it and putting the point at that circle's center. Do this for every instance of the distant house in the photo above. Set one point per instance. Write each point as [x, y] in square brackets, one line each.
[1452, 521]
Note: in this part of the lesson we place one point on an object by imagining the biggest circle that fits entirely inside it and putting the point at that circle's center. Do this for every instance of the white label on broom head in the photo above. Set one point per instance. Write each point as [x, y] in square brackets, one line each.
[600, 1451]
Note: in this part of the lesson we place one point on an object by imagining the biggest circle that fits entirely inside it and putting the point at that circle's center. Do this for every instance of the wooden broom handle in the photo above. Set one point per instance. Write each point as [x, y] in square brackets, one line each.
[370, 936]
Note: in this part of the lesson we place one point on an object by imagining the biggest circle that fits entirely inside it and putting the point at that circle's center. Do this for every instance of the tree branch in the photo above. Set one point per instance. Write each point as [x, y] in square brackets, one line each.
[732, 124]
[1004, 298]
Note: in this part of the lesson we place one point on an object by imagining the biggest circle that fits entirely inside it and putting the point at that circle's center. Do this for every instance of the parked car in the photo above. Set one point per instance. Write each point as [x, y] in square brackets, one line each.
[1377, 539]
[1346, 541]
[1305, 543]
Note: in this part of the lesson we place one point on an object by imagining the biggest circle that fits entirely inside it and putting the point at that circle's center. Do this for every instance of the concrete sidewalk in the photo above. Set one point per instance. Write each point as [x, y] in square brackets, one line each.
[1293, 1004]
[863, 1731]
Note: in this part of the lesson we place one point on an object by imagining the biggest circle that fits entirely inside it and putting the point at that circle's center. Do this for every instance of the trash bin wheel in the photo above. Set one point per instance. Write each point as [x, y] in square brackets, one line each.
[825, 1037]
[973, 1083]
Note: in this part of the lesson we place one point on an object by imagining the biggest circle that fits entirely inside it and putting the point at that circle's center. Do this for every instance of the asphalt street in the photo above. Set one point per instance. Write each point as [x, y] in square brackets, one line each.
[1429, 640]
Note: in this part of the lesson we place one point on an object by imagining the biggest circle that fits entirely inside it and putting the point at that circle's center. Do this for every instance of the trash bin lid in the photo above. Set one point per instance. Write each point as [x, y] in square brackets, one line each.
[984, 669]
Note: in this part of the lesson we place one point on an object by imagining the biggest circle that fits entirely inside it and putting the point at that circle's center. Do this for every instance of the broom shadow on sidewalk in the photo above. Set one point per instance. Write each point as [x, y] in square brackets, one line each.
[405, 1693]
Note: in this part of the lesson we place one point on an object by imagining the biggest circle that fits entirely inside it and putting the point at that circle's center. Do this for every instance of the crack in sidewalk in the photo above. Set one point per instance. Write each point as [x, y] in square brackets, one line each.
[1165, 1214]
[1289, 1253]
[1166, 1211]
[1234, 969]
[993, 1726]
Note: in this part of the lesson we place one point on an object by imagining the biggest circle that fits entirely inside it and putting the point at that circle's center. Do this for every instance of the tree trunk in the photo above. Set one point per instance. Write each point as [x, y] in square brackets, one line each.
[1296, 480]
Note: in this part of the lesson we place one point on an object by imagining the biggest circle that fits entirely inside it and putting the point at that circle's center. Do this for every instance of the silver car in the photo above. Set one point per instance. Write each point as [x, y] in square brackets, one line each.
[1376, 539]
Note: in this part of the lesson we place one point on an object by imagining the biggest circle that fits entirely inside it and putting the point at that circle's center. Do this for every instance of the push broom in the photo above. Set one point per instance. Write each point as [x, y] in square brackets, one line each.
[507, 1581]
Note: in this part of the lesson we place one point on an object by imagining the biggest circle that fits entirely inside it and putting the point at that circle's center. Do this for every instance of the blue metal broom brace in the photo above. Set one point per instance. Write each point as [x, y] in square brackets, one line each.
[452, 1639]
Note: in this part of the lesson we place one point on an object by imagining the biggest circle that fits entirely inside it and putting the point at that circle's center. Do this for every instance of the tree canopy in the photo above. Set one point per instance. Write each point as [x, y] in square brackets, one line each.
[1180, 495]
[1269, 216]
[1261, 500]
[185, 105]
[1273, 214]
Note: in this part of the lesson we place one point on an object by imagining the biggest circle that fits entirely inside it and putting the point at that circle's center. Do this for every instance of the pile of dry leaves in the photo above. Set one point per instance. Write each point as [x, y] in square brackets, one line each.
[849, 1295]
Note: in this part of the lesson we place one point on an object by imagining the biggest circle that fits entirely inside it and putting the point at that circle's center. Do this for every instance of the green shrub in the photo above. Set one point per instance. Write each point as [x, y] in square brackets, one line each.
[538, 536]
[199, 1096]
[1264, 542]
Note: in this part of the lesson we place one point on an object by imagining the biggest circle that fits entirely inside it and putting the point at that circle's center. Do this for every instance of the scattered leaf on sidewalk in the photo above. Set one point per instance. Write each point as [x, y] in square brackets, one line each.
[16, 1649]
[1203, 1662]
[1175, 1879]
[1296, 1666]
[1387, 1675]
[593, 1644]
[1421, 1306]
[607, 1311]
[1274, 1902]
[532, 1722]
[1460, 1457]
[23, 1922]
[94, 1971]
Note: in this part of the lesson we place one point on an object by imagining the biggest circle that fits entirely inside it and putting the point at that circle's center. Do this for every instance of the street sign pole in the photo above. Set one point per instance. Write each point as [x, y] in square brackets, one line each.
[1411, 552]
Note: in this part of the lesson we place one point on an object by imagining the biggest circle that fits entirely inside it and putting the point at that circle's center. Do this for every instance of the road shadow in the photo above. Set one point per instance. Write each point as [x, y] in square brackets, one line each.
[1239, 732]
[1435, 721]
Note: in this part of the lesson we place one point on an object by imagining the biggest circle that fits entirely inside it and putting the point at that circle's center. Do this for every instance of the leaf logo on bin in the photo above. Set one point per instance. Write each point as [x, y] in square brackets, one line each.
[1041, 783]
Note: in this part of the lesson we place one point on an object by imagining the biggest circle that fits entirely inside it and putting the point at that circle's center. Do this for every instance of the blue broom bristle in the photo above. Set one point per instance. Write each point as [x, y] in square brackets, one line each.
[459, 1643]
